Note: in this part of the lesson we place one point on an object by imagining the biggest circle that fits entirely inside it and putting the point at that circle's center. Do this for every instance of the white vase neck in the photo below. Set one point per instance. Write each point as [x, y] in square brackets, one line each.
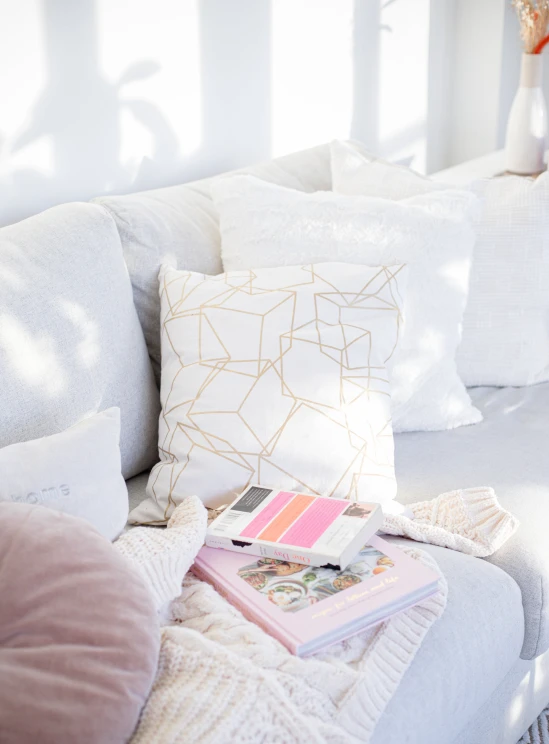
[531, 71]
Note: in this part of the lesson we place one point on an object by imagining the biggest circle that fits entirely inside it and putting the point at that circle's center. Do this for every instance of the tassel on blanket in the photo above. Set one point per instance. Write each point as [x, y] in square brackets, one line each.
[471, 520]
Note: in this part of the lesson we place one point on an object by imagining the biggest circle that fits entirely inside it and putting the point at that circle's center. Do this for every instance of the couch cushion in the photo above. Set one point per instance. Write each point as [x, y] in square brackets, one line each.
[178, 225]
[137, 489]
[70, 340]
[508, 451]
[464, 657]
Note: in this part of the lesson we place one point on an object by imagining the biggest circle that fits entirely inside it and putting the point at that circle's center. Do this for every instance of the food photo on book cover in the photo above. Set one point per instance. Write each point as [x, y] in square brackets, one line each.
[293, 586]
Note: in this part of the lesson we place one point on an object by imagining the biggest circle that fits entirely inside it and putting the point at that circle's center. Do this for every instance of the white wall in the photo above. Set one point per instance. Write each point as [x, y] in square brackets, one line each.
[99, 96]
[486, 68]
[477, 64]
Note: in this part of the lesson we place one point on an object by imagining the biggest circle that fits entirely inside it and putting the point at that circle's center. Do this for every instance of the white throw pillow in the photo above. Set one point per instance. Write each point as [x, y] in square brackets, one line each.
[357, 172]
[506, 320]
[266, 225]
[275, 377]
[77, 472]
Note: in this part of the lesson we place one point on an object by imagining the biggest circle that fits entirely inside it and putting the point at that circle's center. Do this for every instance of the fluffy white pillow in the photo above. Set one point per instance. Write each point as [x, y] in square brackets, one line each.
[77, 472]
[266, 225]
[275, 377]
[506, 320]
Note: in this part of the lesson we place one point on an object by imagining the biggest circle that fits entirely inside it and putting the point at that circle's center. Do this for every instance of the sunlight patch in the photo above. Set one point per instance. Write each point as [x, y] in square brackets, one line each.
[32, 359]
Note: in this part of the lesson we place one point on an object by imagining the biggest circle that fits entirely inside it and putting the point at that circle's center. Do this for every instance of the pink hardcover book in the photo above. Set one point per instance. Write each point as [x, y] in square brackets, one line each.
[308, 608]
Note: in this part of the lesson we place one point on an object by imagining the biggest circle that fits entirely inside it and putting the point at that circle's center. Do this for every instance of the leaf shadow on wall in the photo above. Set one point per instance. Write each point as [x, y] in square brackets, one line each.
[368, 28]
[235, 85]
[80, 111]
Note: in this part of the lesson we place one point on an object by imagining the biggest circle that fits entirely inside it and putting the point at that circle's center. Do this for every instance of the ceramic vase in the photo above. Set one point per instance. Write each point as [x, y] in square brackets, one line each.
[527, 126]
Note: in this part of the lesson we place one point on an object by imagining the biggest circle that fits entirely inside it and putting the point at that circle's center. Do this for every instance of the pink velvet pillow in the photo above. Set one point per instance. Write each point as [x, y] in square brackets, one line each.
[79, 634]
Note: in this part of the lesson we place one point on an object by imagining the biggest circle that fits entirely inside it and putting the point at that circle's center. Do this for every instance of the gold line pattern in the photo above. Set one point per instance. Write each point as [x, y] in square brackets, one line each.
[277, 377]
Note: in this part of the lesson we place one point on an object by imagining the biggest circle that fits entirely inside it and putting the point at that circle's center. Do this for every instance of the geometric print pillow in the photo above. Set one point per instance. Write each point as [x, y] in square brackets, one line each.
[275, 377]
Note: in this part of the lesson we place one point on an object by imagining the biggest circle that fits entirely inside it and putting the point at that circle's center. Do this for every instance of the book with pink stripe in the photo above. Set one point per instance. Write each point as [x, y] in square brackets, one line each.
[312, 530]
[309, 608]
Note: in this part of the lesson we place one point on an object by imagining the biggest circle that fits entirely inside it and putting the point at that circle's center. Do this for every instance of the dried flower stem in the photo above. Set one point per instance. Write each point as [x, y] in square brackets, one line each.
[538, 49]
[533, 17]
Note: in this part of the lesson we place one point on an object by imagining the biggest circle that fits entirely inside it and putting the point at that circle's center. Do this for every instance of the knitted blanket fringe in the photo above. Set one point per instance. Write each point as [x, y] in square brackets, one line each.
[221, 678]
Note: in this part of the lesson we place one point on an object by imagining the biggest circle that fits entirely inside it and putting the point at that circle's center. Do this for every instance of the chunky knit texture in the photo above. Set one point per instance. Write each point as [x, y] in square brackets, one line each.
[221, 678]
[471, 521]
[538, 733]
[163, 556]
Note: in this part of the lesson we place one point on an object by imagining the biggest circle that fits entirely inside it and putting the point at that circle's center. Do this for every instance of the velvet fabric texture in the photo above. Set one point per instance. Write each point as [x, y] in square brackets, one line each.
[79, 633]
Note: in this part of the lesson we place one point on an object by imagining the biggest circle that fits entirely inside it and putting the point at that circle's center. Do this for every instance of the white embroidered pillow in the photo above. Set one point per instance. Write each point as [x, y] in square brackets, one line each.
[77, 471]
[266, 225]
[275, 377]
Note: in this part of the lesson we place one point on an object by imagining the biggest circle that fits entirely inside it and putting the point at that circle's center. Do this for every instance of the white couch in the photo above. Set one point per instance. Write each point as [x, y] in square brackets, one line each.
[482, 674]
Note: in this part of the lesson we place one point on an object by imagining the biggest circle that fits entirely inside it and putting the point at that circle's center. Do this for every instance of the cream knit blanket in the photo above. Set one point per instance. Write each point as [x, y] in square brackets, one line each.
[222, 679]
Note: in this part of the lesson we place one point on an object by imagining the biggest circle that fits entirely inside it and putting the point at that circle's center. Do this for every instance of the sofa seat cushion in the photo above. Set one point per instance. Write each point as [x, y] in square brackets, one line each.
[508, 451]
[464, 657]
[137, 489]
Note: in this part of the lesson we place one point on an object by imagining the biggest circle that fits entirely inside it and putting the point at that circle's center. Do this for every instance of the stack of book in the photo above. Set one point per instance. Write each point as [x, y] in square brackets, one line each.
[309, 570]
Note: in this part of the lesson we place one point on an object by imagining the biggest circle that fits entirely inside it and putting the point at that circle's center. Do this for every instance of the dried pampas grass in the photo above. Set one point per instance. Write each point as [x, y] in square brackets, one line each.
[533, 17]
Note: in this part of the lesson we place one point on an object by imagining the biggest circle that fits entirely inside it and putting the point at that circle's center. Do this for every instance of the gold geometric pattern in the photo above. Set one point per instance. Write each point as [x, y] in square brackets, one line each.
[276, 377]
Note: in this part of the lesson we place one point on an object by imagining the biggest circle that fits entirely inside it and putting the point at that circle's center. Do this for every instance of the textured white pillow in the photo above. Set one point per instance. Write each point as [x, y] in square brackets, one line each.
[77, 472]
[275, 377]
[265, 225]
[506, 320]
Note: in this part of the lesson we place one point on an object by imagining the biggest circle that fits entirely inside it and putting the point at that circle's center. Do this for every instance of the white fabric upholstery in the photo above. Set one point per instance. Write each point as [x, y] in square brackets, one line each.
[506, 322]
[179, 225]
[505, 325]
[137, 489]
[276, 377]
[263, 225]
[513, 707]
[464, 657]
[507, 451]
[70, 340]
[440, 400]
[75, 472]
